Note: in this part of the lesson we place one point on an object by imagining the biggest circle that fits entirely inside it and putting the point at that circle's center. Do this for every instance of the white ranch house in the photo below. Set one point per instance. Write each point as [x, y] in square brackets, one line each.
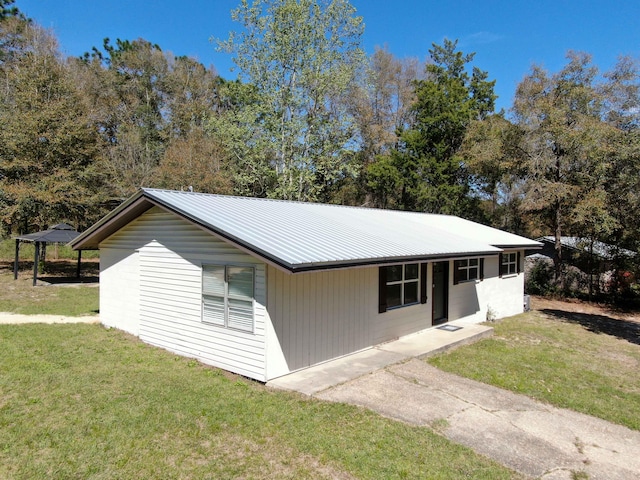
[267, 287]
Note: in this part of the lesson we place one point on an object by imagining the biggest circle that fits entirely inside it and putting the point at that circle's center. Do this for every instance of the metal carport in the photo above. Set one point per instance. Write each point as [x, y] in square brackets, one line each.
[60, 233]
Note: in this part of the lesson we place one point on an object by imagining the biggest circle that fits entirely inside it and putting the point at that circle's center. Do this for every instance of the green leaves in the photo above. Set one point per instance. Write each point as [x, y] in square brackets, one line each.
[48, 144]
[431, 176]
[301, 56]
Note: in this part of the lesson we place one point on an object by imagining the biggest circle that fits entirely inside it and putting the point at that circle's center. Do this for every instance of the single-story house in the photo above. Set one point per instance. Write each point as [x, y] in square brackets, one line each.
[265, 287]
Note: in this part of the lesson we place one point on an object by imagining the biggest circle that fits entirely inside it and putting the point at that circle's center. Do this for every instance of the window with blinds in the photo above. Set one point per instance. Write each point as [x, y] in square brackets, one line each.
[227, 296]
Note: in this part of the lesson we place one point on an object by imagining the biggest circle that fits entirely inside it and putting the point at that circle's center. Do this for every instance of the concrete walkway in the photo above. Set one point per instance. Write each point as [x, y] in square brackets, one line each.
[427, 342]
[535, 439]
[16, 318]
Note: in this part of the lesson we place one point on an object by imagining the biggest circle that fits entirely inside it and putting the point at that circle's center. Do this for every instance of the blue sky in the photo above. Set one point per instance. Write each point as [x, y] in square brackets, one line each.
[507, 36]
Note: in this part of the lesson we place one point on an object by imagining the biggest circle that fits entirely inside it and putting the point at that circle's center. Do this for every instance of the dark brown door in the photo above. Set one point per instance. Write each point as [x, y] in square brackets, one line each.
[440, 292]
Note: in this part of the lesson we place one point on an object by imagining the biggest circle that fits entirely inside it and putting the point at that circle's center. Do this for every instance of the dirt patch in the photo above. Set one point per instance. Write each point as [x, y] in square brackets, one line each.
[582, 307]
[593, 317]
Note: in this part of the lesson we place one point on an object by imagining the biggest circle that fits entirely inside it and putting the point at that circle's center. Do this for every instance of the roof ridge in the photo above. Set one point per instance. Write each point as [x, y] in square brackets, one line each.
[294, 202]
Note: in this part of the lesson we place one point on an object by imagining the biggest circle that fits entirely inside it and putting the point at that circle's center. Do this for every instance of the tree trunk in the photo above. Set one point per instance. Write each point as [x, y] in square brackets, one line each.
[558, 234]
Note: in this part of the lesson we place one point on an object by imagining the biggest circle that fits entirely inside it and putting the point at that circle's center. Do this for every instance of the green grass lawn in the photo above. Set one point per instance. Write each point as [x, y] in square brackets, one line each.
[20, 296]
[81, 401]
[588, 363]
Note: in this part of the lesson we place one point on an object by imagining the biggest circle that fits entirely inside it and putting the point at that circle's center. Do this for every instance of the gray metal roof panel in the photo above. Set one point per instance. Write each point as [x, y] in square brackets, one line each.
[300, 234]
[600, 249]
[50, 236]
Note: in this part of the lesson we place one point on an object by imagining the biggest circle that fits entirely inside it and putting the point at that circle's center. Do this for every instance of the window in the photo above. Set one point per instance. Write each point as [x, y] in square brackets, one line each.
[227, 296]
[509, 263]
[468, 269]
[400, 285]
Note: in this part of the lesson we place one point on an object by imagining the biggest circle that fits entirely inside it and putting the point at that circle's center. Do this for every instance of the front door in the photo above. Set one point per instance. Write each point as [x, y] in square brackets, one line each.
[440, 292]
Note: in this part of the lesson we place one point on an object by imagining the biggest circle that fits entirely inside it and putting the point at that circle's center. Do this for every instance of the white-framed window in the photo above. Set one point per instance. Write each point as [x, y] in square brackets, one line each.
[227, 296]
[509, 263]
[402, 285]
[468, 269]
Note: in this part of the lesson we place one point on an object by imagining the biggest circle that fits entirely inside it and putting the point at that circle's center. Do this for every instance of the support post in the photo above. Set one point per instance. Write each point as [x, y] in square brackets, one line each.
[15, 263]
[36, 258]
[79, 260]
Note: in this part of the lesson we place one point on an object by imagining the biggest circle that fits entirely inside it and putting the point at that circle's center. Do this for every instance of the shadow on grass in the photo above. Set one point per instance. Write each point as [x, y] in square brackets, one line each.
[84, 280]
[624, 329]
[57, 271]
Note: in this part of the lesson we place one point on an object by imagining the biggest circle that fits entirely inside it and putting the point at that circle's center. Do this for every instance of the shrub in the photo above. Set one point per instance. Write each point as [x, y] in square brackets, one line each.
[539, 280]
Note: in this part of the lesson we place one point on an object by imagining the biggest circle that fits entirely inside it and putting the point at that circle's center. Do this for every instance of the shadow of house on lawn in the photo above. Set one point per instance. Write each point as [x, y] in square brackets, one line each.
[628, 330]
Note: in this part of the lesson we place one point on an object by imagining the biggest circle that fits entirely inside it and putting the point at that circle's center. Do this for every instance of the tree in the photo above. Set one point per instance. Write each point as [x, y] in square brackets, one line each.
[8, 9]
[491, 149]
[301, 56]
[48, 146]
[123, 84]
[381, 105]
[563, 150]
[432, 176]
[621, 93]
[238, 127]
[381, 102]
[191, 95]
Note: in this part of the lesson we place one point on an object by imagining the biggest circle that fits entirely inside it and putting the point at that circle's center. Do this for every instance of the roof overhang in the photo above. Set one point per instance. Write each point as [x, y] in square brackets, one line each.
[534, 245]
[126, 212]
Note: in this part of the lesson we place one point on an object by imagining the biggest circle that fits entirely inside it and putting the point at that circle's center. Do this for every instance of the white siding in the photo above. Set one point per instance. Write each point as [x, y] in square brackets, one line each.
[323, 315]
[318, 316]
[120, 289]
[171, 254]
[470, 301]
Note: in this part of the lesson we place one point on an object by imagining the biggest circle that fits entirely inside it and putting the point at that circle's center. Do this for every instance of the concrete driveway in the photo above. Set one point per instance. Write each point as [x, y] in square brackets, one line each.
[532, 438]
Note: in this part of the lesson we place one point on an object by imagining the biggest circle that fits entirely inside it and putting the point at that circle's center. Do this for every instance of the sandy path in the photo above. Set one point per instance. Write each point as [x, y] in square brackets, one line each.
[16, 318]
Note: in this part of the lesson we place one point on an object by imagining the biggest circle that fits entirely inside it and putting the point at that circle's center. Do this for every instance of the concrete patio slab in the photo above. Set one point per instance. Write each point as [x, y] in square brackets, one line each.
[427, 342]
[320, 377]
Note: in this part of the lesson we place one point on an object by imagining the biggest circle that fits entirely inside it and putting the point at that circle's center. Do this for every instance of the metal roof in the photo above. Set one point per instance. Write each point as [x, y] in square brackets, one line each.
[305, 236]
[60, 233]
[600, 249]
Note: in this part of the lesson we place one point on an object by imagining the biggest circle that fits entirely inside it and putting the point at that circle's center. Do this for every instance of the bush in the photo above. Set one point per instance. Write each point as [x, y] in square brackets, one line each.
[539, 280]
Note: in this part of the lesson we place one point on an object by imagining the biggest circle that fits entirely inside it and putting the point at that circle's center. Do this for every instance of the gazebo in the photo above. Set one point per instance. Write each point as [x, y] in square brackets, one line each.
[60, 233]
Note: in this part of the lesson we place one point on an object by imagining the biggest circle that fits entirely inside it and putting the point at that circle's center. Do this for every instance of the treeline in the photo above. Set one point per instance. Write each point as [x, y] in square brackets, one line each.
[312, 118]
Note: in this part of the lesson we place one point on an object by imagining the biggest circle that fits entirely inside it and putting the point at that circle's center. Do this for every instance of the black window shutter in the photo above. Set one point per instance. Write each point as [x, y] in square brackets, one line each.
[423, 283]
[456, 272]
[382, 289]
[500, 265]
[518, 265]
[482, 269]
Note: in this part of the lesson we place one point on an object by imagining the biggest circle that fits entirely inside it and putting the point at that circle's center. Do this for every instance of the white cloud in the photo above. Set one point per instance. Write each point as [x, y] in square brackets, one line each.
[480, 38]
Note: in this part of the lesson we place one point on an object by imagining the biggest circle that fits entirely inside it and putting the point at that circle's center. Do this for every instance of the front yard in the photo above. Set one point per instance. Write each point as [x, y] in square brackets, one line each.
[572, 355]
[81, 401]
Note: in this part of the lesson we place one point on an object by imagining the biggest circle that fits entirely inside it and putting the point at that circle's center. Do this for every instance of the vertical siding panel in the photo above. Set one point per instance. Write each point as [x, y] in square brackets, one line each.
[294, 320]
[286, 312]
[322, 347]
[307, 314]
[323, 315]
[319, 287]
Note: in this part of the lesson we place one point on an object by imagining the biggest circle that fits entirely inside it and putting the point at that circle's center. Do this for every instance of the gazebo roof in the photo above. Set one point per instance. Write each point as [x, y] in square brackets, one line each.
[60, 233]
